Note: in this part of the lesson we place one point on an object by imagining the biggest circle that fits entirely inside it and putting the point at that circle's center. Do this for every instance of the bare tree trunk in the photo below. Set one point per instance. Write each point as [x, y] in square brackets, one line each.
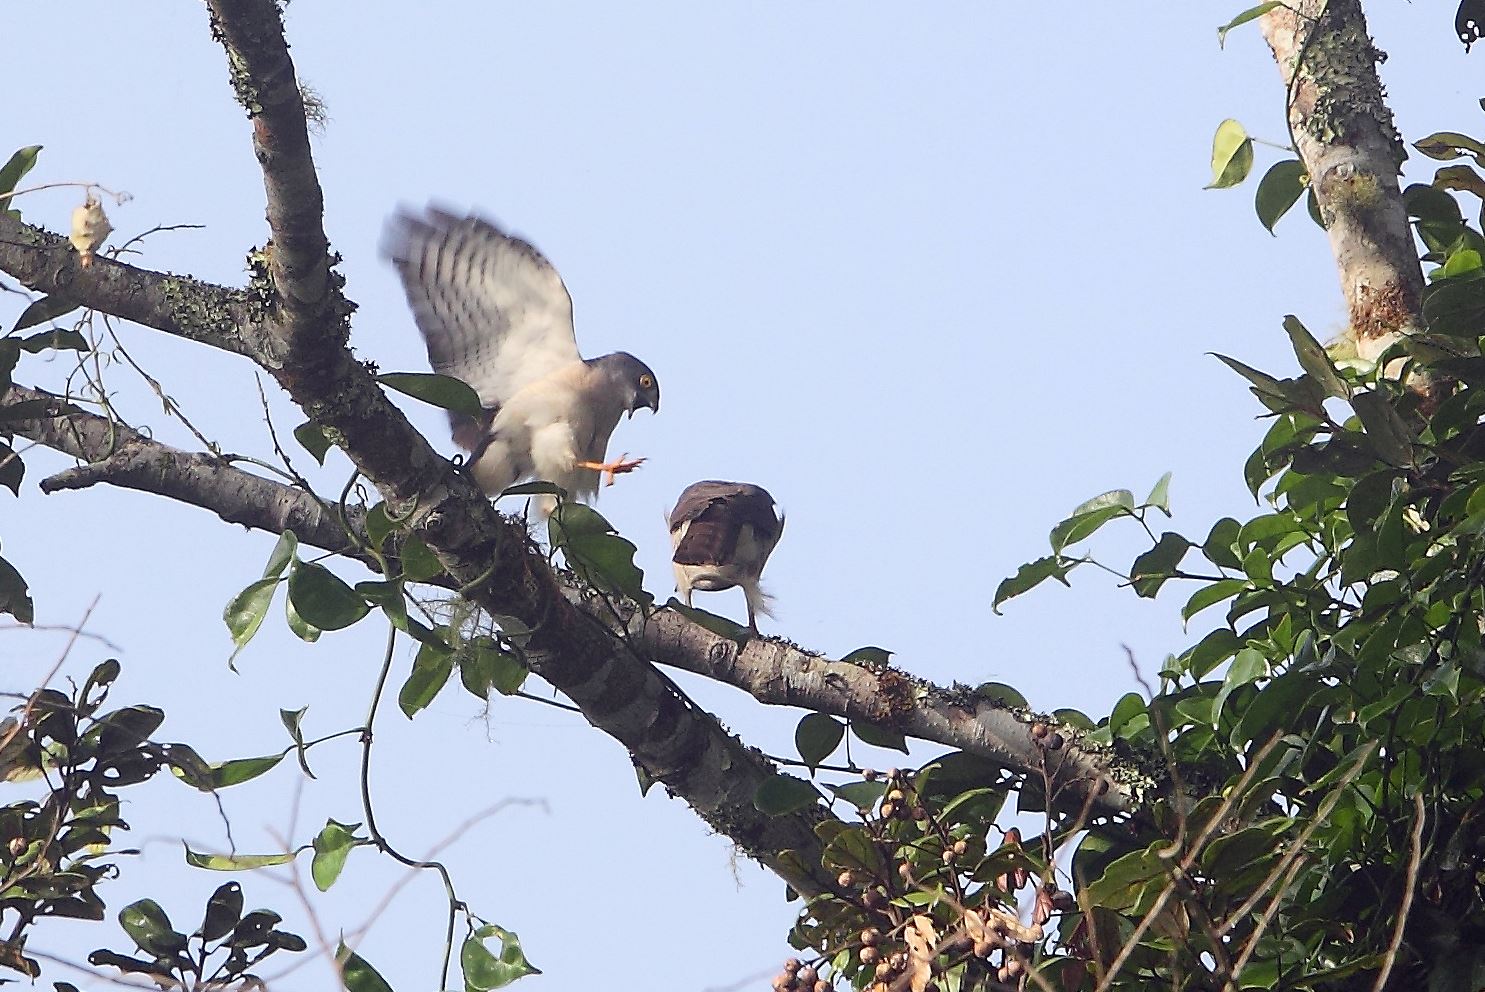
[1344, 134]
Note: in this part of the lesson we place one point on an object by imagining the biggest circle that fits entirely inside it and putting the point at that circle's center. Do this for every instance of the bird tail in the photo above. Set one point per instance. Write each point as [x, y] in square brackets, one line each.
[759, 601]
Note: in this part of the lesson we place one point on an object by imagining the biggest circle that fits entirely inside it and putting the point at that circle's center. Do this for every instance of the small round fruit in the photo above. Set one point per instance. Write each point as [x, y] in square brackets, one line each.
[870, 955]
[846, 880]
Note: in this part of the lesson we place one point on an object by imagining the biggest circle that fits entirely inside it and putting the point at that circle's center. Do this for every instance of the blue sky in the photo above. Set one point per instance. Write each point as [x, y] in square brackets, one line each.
[932, 277]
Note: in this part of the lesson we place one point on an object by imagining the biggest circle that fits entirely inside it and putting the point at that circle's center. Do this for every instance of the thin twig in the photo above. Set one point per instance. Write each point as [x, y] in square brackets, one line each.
[1409, 884]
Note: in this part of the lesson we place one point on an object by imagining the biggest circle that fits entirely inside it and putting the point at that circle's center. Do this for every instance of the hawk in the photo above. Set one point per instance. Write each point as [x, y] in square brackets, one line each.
[723, 533]
[494, 313]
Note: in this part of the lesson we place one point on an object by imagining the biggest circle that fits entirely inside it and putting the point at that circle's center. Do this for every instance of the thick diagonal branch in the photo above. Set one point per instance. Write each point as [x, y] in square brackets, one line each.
[771, 671]
[1344, 135]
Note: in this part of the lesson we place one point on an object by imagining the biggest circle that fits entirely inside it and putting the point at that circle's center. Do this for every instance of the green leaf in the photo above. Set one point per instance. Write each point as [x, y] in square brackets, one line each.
[378, 526]
[1387, 431]
[1152, 568]
[484, 970]
[780, 795]
[1001, 693]
[311, 437]
[1446, 145]
[817, 737]
[1090, 516]
[595, 552]
[1031, 575]
[418, 563]
[357, 974]
[255, 930]
[1160, 495]
[484, 665]
[1251, 14]
[322, 598]
[12, 469]
[852, 849]
[56, 339]
[439, 390]
[1211, 595]
[535, 489]
[283, 553]
[870, 733]
[14, 598]
[332, 845]
[303, 629]
[45, 309]
[1249, 666]
[291, 720]
[148, 926]
[1218, 547]
[871, 657]
[1232, 155]
[1264, 386]
[20, 163]
[1279, 189]
[430, 673]
[223, 910]
[245, 613]
[1313, 359]
[240, 770]
[862, 795]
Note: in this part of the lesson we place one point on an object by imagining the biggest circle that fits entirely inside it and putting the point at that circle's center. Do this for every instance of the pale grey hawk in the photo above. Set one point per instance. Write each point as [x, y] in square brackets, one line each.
[723, 533]
[494, 313]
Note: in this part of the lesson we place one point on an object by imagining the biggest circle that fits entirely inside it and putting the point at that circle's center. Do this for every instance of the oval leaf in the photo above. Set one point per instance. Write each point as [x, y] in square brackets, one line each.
[439, 390]
[817, 737]
[1232, 155]
[780, 795]
[332, 845]
[1279, 189]
[322, 599]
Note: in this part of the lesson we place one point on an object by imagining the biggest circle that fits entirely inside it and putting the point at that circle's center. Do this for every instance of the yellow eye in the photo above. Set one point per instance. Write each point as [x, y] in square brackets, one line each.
[646, 381]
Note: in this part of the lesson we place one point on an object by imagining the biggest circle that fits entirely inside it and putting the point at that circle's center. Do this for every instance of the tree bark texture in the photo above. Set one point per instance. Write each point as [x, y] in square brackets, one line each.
[1345, 137]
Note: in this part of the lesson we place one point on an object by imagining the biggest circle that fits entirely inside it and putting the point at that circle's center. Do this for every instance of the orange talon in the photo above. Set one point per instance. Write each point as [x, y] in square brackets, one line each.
[618, 466]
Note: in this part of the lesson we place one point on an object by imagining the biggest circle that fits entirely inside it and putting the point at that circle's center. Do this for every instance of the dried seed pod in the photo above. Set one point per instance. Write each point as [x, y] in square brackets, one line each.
[90, 228]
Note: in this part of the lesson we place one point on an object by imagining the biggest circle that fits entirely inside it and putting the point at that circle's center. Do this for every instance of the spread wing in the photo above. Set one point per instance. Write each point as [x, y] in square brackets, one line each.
[491, 308]
[714, 514]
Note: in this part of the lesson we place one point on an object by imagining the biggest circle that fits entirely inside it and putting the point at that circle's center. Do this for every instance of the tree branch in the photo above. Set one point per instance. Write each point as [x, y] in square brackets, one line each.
[293, 322]
[772, 671]
[1344, 134]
